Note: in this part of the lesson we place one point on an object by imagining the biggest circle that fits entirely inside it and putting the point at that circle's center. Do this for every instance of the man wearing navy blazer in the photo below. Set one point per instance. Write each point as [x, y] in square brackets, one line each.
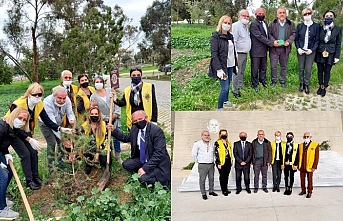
[242, 151]
[153, 164]
[259, 47]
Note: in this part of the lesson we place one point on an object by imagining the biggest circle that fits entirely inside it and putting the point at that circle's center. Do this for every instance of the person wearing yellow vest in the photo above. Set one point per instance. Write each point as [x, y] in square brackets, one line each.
[95, 128]
[24, 145]
[278, 147]
[139, 96]
[289, 156]
[83, 96]
[223, 153]
[308, 155]
[67, 80]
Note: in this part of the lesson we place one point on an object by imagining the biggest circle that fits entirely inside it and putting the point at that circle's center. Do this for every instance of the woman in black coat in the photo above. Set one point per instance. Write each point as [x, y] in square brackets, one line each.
[329, 50]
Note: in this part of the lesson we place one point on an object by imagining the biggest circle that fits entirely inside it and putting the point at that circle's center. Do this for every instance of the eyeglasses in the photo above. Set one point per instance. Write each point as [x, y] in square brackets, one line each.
[38, 94]
[308, 13]
[306, 137]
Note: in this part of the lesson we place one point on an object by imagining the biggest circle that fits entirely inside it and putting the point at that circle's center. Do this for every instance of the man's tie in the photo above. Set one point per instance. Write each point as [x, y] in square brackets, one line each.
[142, 147]
[243, 148]
[68, 89]
[265, 28]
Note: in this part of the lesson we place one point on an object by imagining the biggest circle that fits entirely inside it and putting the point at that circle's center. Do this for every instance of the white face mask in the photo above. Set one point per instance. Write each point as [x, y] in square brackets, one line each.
[18, 123]
[277, 138]
[307, 140]
[244, 21]
[226, 27]
[67, 83]
[99, 86]
[307, 18]
[35, 100]
[59, 105]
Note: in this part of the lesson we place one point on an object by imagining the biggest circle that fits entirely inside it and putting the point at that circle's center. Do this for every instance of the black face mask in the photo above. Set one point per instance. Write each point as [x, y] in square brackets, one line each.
[84, 85]
[223, 137]
[260, 17]
[140, 124]
[94, 119]
[289, 139]
[243, 138]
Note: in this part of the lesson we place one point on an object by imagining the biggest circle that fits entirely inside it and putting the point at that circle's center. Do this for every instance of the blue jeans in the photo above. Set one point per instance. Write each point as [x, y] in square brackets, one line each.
[116, 143]
[225, 85]
[5, 179]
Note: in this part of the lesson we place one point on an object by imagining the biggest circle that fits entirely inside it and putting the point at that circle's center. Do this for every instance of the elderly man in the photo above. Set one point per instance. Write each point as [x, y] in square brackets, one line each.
[278, 150]
[306, 162]
[203, 154]
[242, 150]
[259, 48]
[57, 106]
[243, 44]
[261, 159]
[282, 33]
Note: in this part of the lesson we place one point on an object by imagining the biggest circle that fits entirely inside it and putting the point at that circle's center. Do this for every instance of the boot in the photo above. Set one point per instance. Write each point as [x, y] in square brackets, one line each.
[118, 156]
[286, 191]
[319, 91]
[37, 180]
[32, 185]
[307, 91]
[289, 191]
[323, 92]
[301, 88]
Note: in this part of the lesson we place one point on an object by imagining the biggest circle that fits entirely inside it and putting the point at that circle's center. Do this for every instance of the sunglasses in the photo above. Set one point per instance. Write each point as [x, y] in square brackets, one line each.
[38, 94]
[308, 13]
[306, 137]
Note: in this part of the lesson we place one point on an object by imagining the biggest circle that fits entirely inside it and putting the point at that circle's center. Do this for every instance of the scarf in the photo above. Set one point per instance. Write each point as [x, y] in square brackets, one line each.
[308, 23]
[135, 89]
[327, 30]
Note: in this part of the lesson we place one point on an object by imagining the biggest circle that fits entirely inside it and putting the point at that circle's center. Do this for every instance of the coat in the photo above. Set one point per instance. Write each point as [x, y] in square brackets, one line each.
[289, 34]
[7, 134]
[237, 152]
[313, 33]
[333, 46]
[259, 39]
[267, 151]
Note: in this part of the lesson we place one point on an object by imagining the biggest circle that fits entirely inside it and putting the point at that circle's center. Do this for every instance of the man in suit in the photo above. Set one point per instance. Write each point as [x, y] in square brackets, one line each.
[149, 156]
[242, 151]
[261, 159]
[259, 47]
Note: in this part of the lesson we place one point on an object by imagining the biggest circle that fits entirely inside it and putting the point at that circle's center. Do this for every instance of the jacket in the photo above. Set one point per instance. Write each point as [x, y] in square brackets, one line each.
[267, 151]
[7, 134]
[237, 152]
[259, 39]
[313, 33]
[333, 46]
[219, 53]
[289, 34]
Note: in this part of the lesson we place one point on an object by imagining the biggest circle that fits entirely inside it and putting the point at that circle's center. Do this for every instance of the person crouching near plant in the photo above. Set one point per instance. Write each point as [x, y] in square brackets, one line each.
[9, 127]
[95, 128]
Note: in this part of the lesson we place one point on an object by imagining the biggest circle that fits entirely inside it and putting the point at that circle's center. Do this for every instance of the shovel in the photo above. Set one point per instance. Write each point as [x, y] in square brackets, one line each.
[106, 176]
[26, 203]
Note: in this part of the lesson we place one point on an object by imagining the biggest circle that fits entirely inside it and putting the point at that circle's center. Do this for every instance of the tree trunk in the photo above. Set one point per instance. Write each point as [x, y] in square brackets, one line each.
[35, 62]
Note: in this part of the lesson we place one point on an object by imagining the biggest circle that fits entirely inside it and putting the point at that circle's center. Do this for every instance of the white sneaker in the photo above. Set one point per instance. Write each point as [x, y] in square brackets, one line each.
[9, 203]
[229, 104]
[8, 214]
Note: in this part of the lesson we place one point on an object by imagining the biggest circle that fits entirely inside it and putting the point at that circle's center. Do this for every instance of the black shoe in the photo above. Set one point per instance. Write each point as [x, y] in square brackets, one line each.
[283, 85]
[278, 189]
[225, 193]
[238, 191]
[32, 185]
[255, 190]
[248, 190]
[265, 190]
[289, 191]
[307, 91]
[323, 92]
[273, 84]
[286, 191]
[274, 189]
[239, 94]
[37, 180]
[319, 91]
[204, 197]
[213, 194]
[264, 85]
[302, 193]
[309, 195]
[236, 95]
[256, 89]
[301, 88]
[88, 169]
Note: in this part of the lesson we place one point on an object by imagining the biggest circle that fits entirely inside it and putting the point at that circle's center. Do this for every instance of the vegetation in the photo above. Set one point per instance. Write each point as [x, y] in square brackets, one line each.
[189, 166]
[325, 145]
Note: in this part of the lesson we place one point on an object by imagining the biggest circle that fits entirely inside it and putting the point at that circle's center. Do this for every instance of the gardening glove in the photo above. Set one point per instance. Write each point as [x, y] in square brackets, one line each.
[3, 166]
[66, 130]
[308, 52]
[34, 144]
[336, 60]
[300, 51]
[8, 157]
[220, 74]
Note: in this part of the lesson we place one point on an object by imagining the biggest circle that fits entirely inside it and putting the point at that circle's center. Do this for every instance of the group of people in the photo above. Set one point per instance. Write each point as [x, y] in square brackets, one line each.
[231, 43]
[287, 156]
[69, 106]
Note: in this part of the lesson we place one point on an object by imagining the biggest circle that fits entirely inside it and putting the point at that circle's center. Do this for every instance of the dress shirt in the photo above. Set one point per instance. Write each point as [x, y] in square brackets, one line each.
[231, 57]
[241, 36]
[203, 153]
[277, 150]
[265, 28]
[139, 136]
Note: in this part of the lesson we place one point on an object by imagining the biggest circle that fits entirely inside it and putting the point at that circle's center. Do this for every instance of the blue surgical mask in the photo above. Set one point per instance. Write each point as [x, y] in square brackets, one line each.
[136, 80]
[328, 21]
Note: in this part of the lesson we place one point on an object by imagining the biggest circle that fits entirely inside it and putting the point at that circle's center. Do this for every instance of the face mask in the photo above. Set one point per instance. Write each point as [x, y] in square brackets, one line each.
[260, 17]
[277, 138]
[84, 85]
[140, 124]
[223, 137]
[99, 86]
[289, 139]
[58, 104]
[328, 21]
[244, 21]
[18, 123]
[307, 140]
[136, 80]
[226, 27]
[94, 119]
[67, 83]
[308, 18]
[243, 138]
[35, 100]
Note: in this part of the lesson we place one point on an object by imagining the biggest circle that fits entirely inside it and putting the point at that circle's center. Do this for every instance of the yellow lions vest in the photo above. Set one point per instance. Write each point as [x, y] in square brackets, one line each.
[22, 102]
[294, 154]
[283, 148]
[85, 99]
[99, 140]
[221, 151]
[311, 151]
[147, 102]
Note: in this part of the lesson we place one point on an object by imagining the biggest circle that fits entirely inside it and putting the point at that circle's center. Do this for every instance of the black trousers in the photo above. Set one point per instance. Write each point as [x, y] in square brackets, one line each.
[28, 157]
[246, 173]
[289, 176]
[324, 73]
[224, 173]
[276, 168]
[133, 164]
[258, 70]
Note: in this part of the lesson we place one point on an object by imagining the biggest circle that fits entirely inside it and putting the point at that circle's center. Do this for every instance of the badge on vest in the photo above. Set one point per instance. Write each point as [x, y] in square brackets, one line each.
[147, 97]
[325, 54]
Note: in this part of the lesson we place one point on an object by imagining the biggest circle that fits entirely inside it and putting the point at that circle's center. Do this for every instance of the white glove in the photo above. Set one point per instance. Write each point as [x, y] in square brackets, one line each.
[336, 60]
[300, 51]
[8, 157]
[66, 130]
[34, 144]
[220, 74]
[308, 52]
[3, 166]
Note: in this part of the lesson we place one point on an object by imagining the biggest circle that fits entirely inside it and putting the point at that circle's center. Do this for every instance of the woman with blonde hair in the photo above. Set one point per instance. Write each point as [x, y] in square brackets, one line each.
[224, 160]
[223, 58]
[9, 127]
[24, 145]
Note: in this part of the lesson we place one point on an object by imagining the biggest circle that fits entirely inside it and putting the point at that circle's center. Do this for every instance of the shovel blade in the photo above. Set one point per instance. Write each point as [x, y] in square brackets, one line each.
[104, 179]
